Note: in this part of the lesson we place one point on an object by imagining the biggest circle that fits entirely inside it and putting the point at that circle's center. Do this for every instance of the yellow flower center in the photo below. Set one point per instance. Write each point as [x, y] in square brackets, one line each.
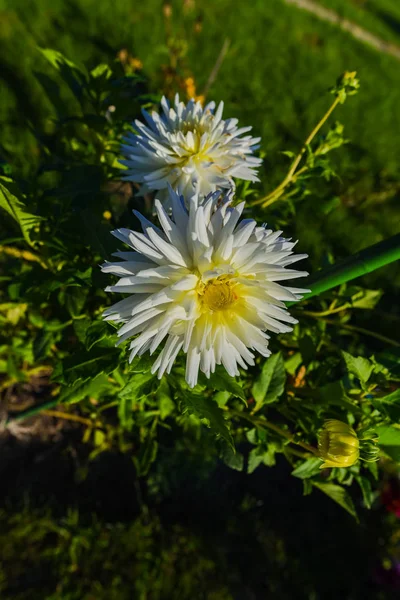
[218, 294]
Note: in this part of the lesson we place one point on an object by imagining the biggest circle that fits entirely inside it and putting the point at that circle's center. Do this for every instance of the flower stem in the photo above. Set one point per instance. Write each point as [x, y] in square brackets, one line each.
[278, 191]
[263, 423]
[354, 266]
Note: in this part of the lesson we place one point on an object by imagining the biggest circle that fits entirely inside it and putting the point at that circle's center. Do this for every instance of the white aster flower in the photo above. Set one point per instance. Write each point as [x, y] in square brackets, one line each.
[203, 283]
[190, 148]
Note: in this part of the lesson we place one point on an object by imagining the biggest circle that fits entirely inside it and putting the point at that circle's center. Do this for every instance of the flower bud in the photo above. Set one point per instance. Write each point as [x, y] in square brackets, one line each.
[346, 85]
[338, 444]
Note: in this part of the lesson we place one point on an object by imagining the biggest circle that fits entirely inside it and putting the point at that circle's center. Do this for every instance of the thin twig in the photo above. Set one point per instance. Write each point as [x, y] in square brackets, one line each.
[218, 63]
[67, 416]
[263, 423]
[374, 334]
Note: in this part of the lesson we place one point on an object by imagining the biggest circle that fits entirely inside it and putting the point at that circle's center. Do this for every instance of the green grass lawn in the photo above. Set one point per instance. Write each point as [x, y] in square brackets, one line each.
[279, 65]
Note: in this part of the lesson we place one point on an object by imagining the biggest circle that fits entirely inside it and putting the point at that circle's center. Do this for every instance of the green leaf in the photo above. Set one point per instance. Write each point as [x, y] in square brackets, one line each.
[75, 77]
[101, 71]
[17, 209]
[392, 451]
[163, 397]
[205, 408]
[293, 362]
[73, 298]
[389, 405]
[358, 365]
[221, 398]
[334, 394]
[271, 382]
[388, 435]
[233, 460]
[143, 363]
[269, 455]
[255, 459]
[366, 299]
[136, 385]
[87, 364]
[221, 381]
[85, 388]
[41, 344]
[339, 495]
[263, 453]
[81, 325]
[366, 489]
[308, 468]
[99, 333]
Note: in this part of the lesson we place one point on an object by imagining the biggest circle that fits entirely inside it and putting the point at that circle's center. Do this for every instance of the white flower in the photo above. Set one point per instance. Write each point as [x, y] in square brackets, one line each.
[205, 284]
[190, 148]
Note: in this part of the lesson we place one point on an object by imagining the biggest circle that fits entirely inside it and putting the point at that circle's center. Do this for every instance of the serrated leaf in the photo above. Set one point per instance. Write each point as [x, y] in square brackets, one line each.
[73, 298]
[389, 405]
[339, 495]
[140, 364]
[84, 388]
[80, 326]
[310, 467]
[88, 364]
[205, 408]
[135, 387]
[271, 382]
[17, 209]
[223, 382]
[359, 366]
[99, 333]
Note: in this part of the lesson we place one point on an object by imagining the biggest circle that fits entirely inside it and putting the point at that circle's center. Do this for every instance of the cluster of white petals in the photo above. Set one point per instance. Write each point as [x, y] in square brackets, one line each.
[189, 147]
[205, 283]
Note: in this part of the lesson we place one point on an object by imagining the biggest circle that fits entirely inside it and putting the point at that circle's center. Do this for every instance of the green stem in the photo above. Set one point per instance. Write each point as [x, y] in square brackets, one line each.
[278, 191]
[34, 410]
[354, 266]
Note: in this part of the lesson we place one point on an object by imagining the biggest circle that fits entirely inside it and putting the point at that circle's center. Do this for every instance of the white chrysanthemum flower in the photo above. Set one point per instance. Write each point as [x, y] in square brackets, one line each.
[204, 283]
[190, 148]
